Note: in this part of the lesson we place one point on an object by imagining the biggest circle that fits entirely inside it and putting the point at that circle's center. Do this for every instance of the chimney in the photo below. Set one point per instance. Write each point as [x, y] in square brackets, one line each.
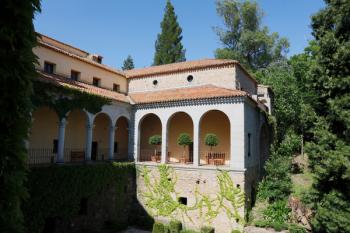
[96, 58]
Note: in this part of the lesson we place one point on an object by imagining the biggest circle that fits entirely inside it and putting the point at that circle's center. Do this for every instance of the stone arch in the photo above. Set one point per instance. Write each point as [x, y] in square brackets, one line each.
[43, 136]
[149, 125]
[100, 136]
[121, 138]
[216, 122]
[75, 135]
[179, 122]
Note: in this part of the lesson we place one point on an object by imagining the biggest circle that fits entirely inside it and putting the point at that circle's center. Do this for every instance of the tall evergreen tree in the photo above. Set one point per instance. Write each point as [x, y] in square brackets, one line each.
[168, 46]
[244, 39]
[17, 39]
[128, 63]
[329, 151]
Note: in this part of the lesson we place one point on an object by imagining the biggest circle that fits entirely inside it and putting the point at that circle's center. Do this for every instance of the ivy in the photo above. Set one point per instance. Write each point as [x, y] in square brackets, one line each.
[56, 191]
[161, 198]
[63, 99]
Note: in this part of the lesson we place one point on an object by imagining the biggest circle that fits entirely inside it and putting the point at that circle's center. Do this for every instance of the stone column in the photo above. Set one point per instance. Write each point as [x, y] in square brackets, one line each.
[61, 132]
[112, 130]
[164, 142]
[237, 135]
[89, 128]
[196, 142]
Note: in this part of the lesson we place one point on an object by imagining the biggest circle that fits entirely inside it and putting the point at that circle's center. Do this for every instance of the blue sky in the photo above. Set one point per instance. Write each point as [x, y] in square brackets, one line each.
[116, 28]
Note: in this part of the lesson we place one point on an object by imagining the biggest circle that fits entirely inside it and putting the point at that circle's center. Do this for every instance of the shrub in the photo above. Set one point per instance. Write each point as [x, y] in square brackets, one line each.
[261, 223]
[211, 140]
[175, 226]
[207, 229]
[159, 228]
[236, 231]
[294, 228]
[155, 140]
[277, 212]
[188, 231]
[278, 226]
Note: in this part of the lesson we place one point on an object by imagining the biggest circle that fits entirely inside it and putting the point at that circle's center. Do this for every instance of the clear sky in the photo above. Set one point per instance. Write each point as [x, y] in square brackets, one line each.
[116, 28]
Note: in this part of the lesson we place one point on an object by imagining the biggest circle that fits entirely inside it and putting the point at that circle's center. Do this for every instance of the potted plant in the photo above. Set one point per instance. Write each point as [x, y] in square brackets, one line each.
[155, 140]
[211, 140]
[184, 140]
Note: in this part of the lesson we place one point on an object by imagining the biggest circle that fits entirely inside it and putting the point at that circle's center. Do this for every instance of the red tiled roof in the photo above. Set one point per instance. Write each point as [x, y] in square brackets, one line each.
[189, 93]
[62, 81]
[179, 67]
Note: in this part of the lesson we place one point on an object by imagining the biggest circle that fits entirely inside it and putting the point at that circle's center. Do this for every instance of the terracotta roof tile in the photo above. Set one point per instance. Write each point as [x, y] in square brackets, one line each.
[189, 93]
[179, 67]
[62, 81]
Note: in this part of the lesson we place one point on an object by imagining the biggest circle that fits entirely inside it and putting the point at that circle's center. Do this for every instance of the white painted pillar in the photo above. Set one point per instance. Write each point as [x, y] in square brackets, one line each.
[61, 133]
[196, 142]
[164, 142]
[112, 130]
[237, 138]
[89, 128]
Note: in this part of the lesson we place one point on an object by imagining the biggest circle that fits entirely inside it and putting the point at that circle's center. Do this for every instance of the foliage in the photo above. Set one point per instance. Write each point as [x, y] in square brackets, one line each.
[277, 184]
[161, 198]
[184, 140]
[159, 228]
[211, 140]
[175, 226]
[277, 212]
[236, 231]
[128, 63]
[244, 38]
[155, 140]
[207, 229]
[275, 225]
[287, 98]
[168, 46]
[55, 193]
[294, 228]
[188, 231]
[17, 39]
[63, 99]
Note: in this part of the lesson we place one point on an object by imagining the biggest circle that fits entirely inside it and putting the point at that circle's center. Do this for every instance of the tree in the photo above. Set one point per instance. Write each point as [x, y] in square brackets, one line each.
[329, 150]
[17, 39]
[184, 140]
[155, 140]
[244, 39]
[211, 140]
[168, 46]
[128, 63]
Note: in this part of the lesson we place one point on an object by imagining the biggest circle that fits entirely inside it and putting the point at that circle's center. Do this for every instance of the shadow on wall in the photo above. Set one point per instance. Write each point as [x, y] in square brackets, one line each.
[85, 198]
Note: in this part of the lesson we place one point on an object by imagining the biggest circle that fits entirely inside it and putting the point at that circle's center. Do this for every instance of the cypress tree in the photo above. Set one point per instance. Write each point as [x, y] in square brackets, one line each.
[17, 39]
[168, 46]
[128, 63]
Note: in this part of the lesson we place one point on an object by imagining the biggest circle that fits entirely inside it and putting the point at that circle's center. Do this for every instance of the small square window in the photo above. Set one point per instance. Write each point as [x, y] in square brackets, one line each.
[96, 82]
[74, 75]
[183, 200]
[116, 87]
[49, 67]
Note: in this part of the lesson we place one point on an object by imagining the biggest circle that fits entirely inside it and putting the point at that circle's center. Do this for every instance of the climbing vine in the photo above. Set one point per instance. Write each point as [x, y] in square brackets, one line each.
[162, 200]
[63, 99]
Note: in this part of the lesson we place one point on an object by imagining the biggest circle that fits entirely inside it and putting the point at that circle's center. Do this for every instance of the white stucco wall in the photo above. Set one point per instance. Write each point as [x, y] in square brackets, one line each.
[246, 83]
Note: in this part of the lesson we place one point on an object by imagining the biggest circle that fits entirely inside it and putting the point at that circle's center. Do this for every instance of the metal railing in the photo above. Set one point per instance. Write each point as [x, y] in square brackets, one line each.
[41, 156]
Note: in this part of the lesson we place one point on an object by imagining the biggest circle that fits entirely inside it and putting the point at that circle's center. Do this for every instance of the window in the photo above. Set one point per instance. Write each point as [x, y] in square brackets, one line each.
[55, 146]
[249, 144]
[183, 200]
[116, 87]
[155, 82]
[74, 75]
[189, 78]
[96, 82]
[49, 67]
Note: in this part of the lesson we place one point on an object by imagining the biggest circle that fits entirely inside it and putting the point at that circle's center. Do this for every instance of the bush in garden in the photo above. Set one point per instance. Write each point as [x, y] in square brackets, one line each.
[277, 212]
[211, 140]
[159, 228]
[207, 229]
[175, 226]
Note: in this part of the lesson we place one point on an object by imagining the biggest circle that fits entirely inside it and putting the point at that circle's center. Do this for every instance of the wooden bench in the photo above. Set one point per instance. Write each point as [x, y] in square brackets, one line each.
[77, 156]
[215, 158]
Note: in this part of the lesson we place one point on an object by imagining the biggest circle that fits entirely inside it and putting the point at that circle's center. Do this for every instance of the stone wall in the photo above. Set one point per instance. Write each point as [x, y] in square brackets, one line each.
[188, 180]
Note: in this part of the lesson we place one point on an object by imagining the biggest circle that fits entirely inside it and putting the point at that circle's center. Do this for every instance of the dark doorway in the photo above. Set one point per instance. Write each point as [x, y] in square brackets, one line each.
[190, 152]
[94, 150]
